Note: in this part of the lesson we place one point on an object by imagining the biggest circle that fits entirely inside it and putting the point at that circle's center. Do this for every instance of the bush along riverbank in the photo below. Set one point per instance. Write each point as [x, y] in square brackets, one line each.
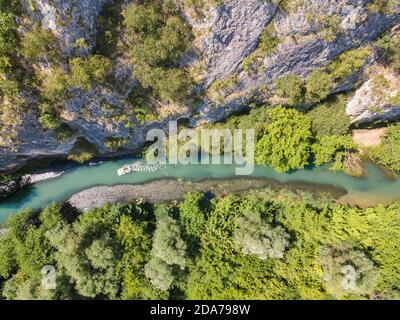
[258, 245]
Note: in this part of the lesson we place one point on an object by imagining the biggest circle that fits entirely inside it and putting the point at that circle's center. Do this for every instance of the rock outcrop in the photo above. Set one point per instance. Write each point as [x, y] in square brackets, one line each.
[376, 99]
[235, 31]
[74, 22]
[230, 34]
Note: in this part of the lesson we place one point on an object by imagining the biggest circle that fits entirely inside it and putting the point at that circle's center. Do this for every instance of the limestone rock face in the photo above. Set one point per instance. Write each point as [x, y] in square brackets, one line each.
[375, 99]
[229, 33]
[354, 27]
[72, 20]
[235, 30]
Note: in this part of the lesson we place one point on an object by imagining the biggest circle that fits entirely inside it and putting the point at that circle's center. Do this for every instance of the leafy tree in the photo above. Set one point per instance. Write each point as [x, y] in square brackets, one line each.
[286, 141]
[192, 217]
[318, 86]
[121, 251]
[256, 237]
[168, 252]
[89, 71]
[334, 149]
[291, 88]
[388, 152]
[167, 243]
[160, 273]
[347, 271]
[134, 237]
[158, 37]
[338, 122]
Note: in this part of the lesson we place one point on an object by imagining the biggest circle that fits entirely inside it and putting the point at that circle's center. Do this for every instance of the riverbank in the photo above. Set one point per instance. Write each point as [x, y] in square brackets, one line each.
[169, 190]
[101, 184]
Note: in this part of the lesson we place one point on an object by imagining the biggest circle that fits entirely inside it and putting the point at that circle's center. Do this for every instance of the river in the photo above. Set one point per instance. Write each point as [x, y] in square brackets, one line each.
[372, 189]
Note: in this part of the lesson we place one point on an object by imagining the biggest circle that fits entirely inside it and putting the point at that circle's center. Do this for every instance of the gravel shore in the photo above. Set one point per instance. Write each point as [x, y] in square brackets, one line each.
[168, 190]
[37, 177]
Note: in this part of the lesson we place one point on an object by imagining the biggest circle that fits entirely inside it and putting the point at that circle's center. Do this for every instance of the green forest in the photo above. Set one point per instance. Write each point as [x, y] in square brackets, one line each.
[258, 245]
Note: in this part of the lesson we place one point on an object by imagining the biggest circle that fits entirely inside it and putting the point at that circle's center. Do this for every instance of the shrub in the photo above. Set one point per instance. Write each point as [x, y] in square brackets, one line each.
[8, 40]
[285, 144]
[89, 71]
[291, 88]
[82, 151]
[330, 118]
[318, 86]
[347, 271]
[388, 152]
[268, 41]
[114, 143]
[54, 85]
[38, 44]
[389, 49]
[158, 37]
[348, 63]
[172, 84]
[333, 149]
[49, 121]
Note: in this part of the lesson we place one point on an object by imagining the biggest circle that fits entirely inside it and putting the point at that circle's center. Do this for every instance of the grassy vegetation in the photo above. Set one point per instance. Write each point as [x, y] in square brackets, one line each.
[268, 43]
[220, 88]
[389, 49]
[318, 86]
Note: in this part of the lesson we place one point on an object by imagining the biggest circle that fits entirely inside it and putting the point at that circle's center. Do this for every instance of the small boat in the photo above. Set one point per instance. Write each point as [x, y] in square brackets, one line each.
[124, 170]
[139, 167]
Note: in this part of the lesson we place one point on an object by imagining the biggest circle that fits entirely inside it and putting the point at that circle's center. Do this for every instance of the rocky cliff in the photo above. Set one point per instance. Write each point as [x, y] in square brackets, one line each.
[307, 35]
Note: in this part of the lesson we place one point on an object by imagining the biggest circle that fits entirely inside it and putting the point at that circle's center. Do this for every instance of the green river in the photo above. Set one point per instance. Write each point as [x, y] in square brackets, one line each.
[374, 188]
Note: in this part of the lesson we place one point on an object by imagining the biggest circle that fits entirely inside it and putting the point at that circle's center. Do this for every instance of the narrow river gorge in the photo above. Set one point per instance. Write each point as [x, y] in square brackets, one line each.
[96, 184]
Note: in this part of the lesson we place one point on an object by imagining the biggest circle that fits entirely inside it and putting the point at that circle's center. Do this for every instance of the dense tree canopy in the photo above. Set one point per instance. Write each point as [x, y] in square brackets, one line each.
[158, 37]
[259, 245]
[388, 152]
[286, 142]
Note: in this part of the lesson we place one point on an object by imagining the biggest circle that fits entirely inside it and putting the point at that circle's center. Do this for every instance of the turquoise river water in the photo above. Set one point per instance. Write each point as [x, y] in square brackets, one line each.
[374, 188]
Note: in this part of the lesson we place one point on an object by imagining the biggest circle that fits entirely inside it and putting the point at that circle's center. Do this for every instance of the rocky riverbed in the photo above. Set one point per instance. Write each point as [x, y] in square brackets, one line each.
[168, 190]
